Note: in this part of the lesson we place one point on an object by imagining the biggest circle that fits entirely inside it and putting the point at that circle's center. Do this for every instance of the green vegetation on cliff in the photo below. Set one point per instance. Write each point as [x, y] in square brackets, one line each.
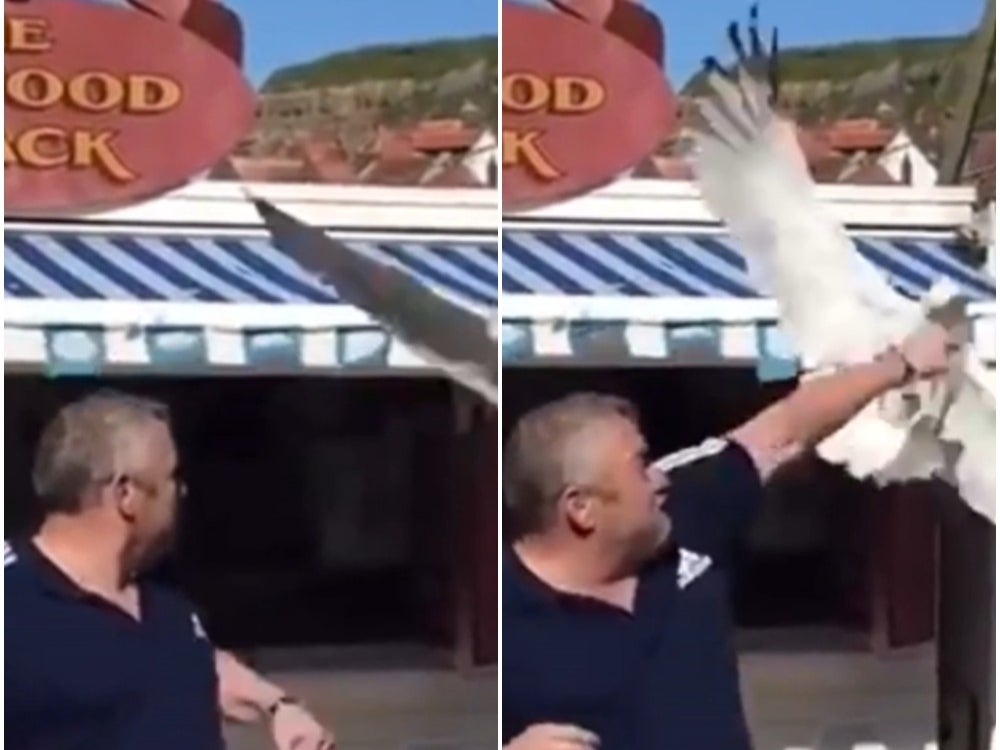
[910, 76]
[419, 61]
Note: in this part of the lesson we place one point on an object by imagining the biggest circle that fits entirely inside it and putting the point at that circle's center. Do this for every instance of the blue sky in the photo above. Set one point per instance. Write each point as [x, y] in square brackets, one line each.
[281, 32]
[694, 31]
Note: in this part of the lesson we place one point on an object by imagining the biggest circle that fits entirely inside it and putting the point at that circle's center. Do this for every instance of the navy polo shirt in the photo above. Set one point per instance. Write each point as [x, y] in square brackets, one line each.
[663, 677]
[81, 674]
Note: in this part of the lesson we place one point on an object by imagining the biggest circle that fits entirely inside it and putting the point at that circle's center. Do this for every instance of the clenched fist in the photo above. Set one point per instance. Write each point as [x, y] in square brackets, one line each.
[930, 350]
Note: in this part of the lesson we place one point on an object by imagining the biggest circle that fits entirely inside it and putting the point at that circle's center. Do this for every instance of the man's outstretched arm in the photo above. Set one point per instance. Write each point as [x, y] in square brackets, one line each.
[820, 407]
[245, 697]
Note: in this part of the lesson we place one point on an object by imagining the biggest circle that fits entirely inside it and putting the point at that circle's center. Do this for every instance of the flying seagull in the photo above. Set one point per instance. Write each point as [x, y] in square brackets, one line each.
[459, 341]
[836, 308]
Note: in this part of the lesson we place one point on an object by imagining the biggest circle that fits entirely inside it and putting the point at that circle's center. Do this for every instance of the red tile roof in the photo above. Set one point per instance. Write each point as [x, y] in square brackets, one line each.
[401, 172]
[862, 134]
[326, 161]
[454, 175]
[427, 137]
[868, 173]
[393, 145]
[828, 168]
[261, 169]
[815, 145]
[435, 136]
[661, 167]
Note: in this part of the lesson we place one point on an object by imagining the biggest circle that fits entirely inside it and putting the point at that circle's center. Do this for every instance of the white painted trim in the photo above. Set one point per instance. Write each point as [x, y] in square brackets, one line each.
[637, 201]
[657, 309]
[637, 309]
[391, 235]
[663, 202]
[225, 203]
[218, 315]
[610, 226]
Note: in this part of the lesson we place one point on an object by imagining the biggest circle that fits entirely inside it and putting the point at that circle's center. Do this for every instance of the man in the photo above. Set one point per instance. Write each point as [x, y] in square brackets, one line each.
[613, 637]
[96, 656]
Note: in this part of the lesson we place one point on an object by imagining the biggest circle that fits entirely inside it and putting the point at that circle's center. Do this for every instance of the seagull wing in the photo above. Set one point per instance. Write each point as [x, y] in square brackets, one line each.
[459, 341]
[753, 176]
[836, 306]
[969, 433]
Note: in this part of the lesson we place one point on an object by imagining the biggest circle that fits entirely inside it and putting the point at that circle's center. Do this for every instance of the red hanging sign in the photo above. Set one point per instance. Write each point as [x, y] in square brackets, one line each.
[584, 97]
[106, 106]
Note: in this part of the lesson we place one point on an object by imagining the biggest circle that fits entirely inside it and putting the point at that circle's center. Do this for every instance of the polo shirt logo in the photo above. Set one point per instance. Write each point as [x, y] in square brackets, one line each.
[705, 449]
[692, 567]
[199, 630]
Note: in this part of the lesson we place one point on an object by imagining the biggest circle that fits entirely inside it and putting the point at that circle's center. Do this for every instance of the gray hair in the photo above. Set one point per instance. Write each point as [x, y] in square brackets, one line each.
[542, 456]
[83, 443]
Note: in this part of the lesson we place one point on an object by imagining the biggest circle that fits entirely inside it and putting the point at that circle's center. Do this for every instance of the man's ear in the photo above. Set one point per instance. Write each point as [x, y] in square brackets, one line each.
[125, 498]
[580, 509]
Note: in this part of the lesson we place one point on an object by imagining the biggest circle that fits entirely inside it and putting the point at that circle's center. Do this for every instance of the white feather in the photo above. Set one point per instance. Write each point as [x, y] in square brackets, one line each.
[836, 307]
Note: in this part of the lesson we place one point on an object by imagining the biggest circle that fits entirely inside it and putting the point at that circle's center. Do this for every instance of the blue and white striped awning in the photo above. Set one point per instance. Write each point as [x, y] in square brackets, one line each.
[614, 297]
[83, 303]
[700, 265]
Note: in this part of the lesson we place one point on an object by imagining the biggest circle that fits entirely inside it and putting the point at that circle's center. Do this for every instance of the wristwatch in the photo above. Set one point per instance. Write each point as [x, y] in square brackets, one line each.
[283, 700]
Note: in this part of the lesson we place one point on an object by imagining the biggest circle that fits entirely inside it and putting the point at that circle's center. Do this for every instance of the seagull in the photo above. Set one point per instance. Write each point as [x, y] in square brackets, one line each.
[459, 341]
[835, 306]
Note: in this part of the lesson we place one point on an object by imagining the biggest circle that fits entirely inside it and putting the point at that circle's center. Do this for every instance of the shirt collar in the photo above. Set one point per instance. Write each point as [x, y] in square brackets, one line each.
[525, 591]
[522, 588]
[47, 574]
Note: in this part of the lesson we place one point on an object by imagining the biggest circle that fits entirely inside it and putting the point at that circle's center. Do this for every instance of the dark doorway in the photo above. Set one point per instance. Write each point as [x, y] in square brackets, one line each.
[316, 505]
[807, 560]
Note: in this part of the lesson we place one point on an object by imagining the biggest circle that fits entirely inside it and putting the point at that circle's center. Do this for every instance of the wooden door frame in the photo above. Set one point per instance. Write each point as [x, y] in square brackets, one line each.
[905, 567]
[476, 549]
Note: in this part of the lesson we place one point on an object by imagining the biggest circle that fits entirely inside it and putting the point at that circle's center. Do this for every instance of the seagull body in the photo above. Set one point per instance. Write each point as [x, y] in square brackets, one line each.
[834, 305]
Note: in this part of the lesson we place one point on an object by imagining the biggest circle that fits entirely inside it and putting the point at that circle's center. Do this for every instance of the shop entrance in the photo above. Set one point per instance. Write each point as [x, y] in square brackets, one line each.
[317, 507]
[830, 562]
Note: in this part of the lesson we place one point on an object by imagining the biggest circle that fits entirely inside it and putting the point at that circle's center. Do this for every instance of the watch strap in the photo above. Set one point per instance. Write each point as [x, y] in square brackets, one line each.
[283, 700]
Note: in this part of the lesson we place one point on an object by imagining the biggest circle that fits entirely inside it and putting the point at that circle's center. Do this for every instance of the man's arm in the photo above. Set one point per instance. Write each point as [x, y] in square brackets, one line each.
[820, 407]
[245, 696]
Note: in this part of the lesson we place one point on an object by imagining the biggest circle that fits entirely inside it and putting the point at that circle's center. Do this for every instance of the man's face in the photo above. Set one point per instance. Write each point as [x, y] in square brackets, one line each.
[622, 508]
[151, 492]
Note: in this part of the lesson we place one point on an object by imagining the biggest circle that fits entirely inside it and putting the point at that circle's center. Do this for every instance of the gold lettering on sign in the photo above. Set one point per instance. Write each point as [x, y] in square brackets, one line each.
[528, 93]
[524, 93]
[26, 35]
[36, 88]
[522, 149]
[49, 147]
[91, 91]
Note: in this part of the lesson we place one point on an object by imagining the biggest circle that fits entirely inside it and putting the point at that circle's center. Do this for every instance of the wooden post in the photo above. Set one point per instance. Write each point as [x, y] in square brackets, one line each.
[982, 57]
[475, 544]
[461, 548]
[966, 628]
[966, 642]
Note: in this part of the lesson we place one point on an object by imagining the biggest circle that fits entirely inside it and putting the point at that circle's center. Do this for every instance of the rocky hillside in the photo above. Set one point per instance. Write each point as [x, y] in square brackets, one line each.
[444, 78]
[907, 80]
[910, 81]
